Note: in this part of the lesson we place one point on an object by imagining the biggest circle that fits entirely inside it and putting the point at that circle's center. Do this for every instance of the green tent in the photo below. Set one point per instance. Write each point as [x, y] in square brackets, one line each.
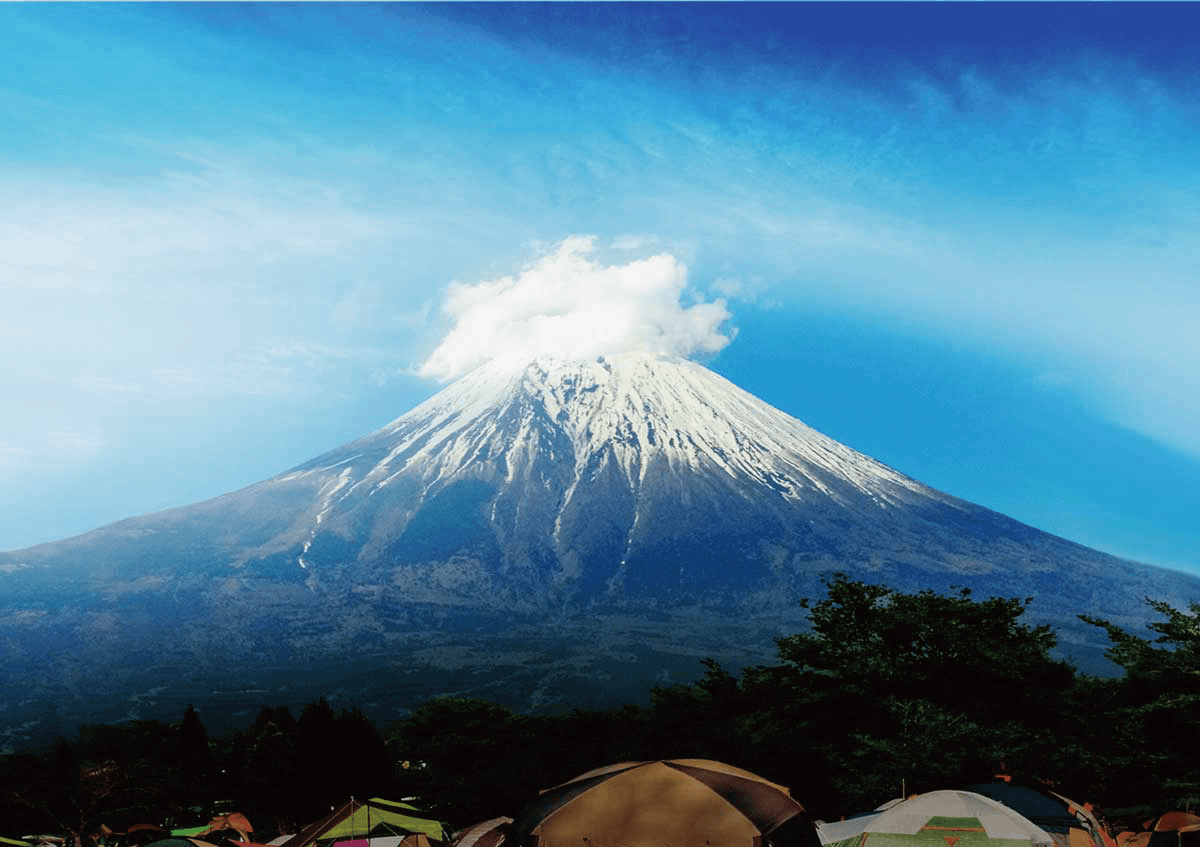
[363, 819]
[189, 831]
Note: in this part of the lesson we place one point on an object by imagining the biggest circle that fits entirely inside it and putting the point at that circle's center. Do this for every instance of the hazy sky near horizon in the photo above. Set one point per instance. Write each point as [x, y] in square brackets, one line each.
[960, 238]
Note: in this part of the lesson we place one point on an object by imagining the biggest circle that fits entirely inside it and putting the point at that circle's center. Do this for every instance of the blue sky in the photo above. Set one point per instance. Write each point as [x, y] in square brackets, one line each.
[961, 238]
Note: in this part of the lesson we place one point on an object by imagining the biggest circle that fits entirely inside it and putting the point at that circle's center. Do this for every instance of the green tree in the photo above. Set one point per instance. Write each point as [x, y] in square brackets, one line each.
[461, 754]
[190, 768]
[891, 690]
[267, 771]
[359, 741]
[110, 776]
[952, 650]
[326, 745]
[1154, 733]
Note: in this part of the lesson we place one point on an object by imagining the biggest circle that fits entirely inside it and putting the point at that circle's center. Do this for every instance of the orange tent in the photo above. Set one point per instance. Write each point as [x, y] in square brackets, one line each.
[229, 821]
[1177, 821]
[1176, 828]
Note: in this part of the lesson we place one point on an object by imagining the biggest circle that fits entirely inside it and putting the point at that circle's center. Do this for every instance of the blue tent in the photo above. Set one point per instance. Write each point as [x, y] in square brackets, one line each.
[1051, 812]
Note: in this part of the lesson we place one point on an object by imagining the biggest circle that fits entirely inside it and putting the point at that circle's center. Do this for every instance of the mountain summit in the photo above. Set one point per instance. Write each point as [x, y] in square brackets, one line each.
[556, 532]
[581, 480]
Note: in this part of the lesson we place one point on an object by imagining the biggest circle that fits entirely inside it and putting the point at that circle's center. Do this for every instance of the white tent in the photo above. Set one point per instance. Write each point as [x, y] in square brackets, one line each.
[932, 818]
[833, 833]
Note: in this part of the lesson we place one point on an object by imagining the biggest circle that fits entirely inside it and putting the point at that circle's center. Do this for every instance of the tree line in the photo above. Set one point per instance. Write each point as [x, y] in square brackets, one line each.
[887, 693]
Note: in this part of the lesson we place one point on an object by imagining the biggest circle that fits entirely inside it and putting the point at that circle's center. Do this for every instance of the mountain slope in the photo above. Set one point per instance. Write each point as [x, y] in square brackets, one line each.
[566, 530]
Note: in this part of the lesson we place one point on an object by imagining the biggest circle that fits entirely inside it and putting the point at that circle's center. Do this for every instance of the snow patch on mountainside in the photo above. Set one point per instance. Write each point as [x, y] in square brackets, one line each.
[329, 493]
[542, 435]
[635, 408]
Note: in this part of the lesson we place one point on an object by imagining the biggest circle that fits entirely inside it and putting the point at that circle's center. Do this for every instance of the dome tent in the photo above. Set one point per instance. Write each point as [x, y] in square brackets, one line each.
[950, 817]
[664, 802]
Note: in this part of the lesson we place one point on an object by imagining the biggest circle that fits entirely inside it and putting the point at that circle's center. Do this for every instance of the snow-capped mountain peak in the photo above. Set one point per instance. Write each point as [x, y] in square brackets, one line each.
[637, 411]
[560, 524]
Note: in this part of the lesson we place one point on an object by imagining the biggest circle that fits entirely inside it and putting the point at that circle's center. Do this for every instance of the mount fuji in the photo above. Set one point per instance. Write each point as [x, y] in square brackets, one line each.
[550, 533]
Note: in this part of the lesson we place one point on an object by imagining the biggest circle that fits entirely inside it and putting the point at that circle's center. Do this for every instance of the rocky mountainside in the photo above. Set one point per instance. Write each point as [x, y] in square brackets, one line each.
[562, 532]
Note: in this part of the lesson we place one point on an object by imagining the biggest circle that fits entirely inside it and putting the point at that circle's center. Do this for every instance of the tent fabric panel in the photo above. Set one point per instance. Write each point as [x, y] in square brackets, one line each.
[798, 830]
[1176, 820]
[1099, 834]
[953, 823]
[533, 813]
[373, 819]
[353, 818]
[856, 839]
[1045, 810]
[767, 805]
[485, 833]
[961, 839]
[839, 832]
[1004, 823]
[308, 835]
[724, 768]
[652, 805]
[997, 820]
[602, 772]
[396, 806]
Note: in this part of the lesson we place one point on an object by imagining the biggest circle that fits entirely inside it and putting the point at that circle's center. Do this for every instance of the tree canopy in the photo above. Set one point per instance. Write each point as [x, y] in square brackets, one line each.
[1155, 706]
[885, 693]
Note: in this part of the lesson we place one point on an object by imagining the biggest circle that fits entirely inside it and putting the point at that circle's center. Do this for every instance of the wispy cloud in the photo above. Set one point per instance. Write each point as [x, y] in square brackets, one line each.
[209, 209]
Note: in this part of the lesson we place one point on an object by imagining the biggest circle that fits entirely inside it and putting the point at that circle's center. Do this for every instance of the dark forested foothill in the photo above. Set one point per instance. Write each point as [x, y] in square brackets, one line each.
[887, 694]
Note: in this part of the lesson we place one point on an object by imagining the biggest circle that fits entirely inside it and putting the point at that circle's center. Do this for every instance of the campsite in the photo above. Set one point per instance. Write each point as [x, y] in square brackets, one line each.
[897, 719]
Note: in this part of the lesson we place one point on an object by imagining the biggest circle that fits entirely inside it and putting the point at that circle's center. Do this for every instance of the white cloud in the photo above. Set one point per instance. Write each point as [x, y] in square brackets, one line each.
[568, 304]
[631, 241]
[729, 286]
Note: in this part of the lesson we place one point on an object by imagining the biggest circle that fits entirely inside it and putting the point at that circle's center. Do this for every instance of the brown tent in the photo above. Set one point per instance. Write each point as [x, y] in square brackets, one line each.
[144, 834]
[486, 834]
[664, 802]
[1177, 828]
